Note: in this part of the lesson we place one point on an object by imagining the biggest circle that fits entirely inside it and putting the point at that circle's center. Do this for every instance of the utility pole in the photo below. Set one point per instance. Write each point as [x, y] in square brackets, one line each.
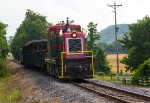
[114, 6]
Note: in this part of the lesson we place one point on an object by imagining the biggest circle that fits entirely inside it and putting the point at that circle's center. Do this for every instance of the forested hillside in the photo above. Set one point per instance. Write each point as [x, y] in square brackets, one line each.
[108, 35]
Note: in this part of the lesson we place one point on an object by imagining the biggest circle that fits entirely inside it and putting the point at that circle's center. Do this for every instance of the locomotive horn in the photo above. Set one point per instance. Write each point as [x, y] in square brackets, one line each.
[66, 26]
[67, 21]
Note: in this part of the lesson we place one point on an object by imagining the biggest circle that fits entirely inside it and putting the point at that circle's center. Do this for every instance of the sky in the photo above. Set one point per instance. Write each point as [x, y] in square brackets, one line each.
[12, 12]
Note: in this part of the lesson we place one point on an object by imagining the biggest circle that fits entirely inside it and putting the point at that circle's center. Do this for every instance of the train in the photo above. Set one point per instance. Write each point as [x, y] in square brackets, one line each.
[63, 54]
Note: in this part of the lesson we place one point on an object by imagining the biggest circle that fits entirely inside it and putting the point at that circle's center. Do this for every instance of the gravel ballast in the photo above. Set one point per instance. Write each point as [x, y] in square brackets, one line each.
[135, 89]
[36, 87]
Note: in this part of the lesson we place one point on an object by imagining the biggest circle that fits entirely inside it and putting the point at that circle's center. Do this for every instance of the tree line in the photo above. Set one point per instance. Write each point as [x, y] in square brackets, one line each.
[111, 48]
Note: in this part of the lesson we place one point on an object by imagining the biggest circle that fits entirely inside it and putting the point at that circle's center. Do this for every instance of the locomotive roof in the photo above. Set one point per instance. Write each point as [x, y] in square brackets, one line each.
[35, 41]
[62, 26]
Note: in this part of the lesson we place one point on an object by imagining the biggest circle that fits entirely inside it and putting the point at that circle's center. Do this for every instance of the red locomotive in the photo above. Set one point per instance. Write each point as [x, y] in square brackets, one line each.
[66, 53]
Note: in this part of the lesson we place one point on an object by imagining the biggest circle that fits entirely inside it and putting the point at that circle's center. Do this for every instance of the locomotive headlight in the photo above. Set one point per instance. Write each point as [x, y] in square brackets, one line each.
[74, 34]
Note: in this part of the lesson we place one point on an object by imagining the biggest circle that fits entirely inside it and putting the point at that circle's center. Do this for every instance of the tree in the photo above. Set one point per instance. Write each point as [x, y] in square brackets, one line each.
[3, 42]
[92, 37]
[137, 42]
[101, 63]
[3, 50]
[33, 27]
[143, 72]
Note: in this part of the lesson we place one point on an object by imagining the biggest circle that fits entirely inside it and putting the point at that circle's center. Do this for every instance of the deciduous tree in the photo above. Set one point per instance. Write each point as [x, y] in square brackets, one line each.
[3, 50]
[3, 41]
[137, 42]
[101, 64]
[33, 27]
[92, 37]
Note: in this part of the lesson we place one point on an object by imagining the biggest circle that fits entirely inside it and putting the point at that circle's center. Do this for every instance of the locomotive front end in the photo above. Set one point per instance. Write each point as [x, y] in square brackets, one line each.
[74, 45]
[77, 63]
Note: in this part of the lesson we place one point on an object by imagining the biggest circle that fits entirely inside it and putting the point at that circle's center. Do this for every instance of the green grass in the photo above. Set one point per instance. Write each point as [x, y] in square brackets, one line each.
[8, 93]
[108, 78]
[114, 79]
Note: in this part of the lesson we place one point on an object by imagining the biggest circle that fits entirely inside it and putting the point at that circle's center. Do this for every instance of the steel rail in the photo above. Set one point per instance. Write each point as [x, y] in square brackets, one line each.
[110, 97]
[140, 96]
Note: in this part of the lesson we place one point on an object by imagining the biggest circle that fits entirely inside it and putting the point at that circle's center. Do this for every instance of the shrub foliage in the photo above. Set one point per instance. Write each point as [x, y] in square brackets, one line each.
[3, 50]
[3, 68]
[142, 73]
[137, 42]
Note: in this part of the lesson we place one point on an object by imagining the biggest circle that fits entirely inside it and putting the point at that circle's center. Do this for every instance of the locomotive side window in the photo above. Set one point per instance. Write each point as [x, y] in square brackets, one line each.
[75, 45]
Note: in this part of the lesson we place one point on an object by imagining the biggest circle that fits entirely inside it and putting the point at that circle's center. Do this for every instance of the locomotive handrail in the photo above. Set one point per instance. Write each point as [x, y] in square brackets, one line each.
[62, 61]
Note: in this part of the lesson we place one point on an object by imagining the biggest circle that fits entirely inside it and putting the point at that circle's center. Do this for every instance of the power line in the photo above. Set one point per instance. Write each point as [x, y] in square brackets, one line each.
[114, 6]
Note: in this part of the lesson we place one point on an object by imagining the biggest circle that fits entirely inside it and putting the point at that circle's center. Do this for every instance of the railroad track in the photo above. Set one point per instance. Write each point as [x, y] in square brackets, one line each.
[113, 94]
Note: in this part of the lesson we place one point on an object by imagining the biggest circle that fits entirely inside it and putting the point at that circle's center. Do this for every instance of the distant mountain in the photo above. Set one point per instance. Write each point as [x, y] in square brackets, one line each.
[108, 35]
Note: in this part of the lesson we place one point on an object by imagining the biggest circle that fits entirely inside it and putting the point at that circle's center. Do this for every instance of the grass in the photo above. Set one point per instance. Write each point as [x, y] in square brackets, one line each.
[8, 93]
[113, 64]
[107, 78]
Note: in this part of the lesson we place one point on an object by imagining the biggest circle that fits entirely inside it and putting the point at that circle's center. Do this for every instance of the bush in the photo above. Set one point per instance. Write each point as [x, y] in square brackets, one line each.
[3, 68]
[142, 73]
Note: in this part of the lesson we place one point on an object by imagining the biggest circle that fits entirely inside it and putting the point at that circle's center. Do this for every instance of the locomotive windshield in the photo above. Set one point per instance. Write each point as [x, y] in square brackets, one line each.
[75, 45]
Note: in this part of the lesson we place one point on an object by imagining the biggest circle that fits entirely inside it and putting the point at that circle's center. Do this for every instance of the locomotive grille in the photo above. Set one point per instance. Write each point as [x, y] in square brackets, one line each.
[75, 45]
